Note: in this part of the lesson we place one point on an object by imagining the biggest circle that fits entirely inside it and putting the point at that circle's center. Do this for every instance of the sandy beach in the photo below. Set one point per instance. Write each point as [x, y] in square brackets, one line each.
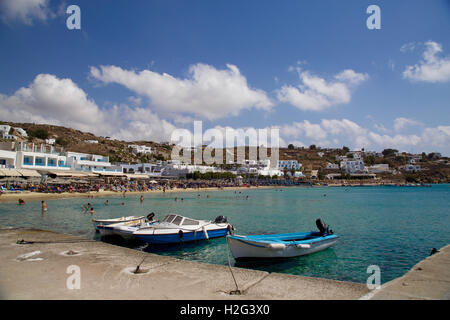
[37, 196]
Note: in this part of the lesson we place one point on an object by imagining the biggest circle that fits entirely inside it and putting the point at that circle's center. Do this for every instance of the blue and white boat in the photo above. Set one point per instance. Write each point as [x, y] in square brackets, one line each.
[285, 245]
[124, 226]
[176, 229]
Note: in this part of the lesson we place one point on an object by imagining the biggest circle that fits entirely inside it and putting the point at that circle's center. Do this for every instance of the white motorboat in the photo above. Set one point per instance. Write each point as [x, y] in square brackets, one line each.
[105, 222]
[124, 229]
[175, 229]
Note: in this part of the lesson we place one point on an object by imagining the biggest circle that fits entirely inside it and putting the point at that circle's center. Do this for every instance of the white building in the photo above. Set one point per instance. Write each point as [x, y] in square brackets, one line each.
[91, 141]
[89, 162]
[341, 158]
[411, 168]
[352, 166]
[181, 170]
[8, 159]
[22, 132]
[140, 149]
[39, 157]
[289, 164]
[144, 168]
[357, 155]
[4, 128]
[379, 168]
[50, 141]
[332, 166]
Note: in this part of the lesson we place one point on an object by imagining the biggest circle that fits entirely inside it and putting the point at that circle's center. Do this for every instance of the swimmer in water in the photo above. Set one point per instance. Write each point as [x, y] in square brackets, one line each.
[44, 205]
[106, 202]
[92, 210]
[21, 201]
[142, 199]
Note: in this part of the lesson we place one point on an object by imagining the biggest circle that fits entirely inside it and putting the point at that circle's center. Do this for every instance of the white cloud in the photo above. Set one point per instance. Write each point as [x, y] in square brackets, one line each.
[25, 11]
[51, 100]
[432, 68]
[314, 132]
[408, 47]
[401, 123]
[335, 133]
[315, 93]
[208, 93]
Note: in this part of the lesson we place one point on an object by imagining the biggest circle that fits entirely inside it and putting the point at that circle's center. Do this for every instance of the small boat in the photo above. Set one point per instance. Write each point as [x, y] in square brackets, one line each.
[126, 227]
[105, 222]
[123, 229]
[285, 245]
[175, 229]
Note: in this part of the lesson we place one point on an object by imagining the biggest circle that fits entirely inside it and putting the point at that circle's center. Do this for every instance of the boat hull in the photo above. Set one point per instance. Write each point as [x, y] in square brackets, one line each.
[243, 248]
[105, 222]
[190, 236]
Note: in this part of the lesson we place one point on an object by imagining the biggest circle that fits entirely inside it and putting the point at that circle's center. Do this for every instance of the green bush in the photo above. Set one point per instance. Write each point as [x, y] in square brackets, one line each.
[39, 133]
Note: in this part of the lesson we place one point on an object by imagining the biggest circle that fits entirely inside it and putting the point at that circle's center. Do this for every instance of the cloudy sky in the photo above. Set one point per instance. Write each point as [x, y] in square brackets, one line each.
[139, 69]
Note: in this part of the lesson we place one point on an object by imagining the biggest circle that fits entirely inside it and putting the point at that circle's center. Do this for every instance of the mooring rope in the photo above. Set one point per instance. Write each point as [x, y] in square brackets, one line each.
[22, 241]
[237, 291]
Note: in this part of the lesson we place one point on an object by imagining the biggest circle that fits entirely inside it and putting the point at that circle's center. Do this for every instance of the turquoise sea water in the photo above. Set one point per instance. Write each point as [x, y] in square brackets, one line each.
[392, 227]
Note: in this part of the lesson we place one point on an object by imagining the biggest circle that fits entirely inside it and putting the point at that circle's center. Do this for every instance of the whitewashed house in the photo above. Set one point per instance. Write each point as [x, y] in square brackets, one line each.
[140, 149]
[8, 159]
[332, 166]
[22, 132]
[379, 168]
[352, 166]
[411, 168]
[289, 164]
[39, 157]
[89, 162]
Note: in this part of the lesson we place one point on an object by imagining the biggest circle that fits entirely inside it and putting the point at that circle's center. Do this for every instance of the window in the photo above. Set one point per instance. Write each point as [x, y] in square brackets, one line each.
[169, 218]
[177, 220]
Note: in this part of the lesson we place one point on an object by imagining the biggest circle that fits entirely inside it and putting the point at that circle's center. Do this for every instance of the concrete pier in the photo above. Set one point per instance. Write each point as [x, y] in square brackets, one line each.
[427, 280]
[41, 269]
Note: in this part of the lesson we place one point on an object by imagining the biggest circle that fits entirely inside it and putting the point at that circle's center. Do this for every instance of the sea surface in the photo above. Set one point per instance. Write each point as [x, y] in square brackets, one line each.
[391, 227]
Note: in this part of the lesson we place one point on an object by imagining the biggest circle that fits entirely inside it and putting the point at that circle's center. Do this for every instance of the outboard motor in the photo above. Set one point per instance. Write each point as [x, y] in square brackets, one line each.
[221, 219]
[150, 216]
[323, 229]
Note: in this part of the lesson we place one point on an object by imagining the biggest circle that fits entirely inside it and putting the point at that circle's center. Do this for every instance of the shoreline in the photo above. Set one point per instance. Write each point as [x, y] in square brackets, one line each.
[35, 196]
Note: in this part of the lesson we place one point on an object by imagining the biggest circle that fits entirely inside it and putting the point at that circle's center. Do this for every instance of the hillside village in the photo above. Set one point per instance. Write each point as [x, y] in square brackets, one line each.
[59, 151]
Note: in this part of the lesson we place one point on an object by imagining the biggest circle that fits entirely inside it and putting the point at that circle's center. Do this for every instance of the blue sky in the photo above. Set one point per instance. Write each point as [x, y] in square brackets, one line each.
[139, 69]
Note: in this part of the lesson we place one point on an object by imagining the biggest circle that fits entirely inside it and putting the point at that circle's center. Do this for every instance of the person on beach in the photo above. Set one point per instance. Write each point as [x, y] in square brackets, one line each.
[124, 193]
[44, 205]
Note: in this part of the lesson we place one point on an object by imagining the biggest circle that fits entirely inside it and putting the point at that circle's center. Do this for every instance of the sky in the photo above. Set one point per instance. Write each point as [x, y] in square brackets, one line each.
[138, 70]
